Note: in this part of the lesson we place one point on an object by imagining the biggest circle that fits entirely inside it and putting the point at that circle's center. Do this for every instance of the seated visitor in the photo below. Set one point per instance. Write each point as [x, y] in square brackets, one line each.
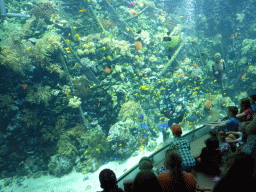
[210, 159]
[146, 180]
[245, 115]
[235, 139]
[231, 124]
[253, 103]
[224, 146]
[239, 176]
[144, 164]
[250, 131]
[182, 145]
[176, 180]
[108, 181]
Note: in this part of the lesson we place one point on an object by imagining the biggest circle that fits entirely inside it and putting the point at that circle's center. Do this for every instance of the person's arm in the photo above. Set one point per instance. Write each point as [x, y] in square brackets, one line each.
[218, 124]
[240, 115]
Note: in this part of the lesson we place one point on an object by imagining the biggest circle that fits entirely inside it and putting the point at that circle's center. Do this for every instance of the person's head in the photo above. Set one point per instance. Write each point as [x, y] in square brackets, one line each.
[212, 143]
[252, 99]
[232, 111]
[145, 164]
[146, 180]
[217, 57]
[173, 159]
[244, 104]
[107, 179]
[176, 130]
[221, 134]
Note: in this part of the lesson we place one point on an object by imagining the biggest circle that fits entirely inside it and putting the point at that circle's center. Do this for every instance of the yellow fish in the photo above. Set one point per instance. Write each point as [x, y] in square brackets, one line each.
[67, 40]
[85, 152]
[120, 149]
[120, 145]
[97, 149]
[154, 52]
[75, 65]
[69, 34]
[67, 92]
[74, 27]
[68, 51]
[67, 48]
[82, 10]
[41, 123]
[29, 48]
[103, 48]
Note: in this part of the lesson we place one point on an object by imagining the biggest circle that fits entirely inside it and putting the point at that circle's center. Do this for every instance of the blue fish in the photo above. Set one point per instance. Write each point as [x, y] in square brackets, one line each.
[165, 125]
[116, 158]
[145, 135]
[144, 126]
[192, 118]
[161, 126]
[141, 116]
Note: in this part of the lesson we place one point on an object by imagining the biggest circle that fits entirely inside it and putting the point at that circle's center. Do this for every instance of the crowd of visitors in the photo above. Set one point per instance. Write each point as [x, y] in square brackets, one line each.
[229, 154]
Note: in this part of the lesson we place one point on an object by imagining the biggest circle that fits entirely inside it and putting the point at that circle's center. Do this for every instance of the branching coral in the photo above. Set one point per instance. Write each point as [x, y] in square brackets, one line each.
[41, 95]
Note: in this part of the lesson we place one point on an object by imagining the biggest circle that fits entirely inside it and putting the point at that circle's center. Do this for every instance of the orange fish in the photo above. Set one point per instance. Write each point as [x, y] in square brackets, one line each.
[140, 140]
[182, 75]
[243, 77]
[54, 15]
[82, 10]
[107, 70]
[25, 86]
[236, 35]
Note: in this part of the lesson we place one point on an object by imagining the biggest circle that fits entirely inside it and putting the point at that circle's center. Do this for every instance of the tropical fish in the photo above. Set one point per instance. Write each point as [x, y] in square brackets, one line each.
[107, 70]
[141, 116]
[54, 15]
[144, 126]
[82, 10]
[132, 4]
[29, 48]
[74, 27]
[192, 118]
[25, 86]
[67, 92]
[139, 31]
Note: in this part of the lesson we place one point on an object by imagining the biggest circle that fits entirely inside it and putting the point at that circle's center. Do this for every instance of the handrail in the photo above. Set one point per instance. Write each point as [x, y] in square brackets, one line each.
[3, 11]
[190, 136]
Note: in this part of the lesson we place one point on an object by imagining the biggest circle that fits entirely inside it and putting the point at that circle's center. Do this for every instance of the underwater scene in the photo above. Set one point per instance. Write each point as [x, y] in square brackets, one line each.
[94, 84]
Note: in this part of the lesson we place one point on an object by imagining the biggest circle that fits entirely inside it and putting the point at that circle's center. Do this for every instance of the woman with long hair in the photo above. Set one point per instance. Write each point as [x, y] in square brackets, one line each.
[176, 180]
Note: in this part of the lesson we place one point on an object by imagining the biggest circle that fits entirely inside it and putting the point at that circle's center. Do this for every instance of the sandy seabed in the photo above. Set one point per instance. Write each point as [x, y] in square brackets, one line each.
[74, 181]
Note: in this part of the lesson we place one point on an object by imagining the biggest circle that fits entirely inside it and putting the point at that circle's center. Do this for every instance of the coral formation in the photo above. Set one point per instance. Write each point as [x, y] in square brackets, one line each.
[41, 95]
[6, 102]
[74, 102]
[82, 89]
[107, 24]
[138, 45]
[43, 10]
[30, 118]
[130, 110]
[208, 104]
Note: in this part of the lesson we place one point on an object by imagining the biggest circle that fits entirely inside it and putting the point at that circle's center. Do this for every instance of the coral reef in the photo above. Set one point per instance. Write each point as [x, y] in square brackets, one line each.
[41, 95]
[6, 102]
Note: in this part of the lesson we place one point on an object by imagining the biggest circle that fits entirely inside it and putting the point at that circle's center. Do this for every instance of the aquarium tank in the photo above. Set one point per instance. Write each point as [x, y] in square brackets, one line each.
[91, 84]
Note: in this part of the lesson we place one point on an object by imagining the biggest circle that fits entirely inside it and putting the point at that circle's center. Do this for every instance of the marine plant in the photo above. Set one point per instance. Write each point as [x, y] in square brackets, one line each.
[41, 95]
